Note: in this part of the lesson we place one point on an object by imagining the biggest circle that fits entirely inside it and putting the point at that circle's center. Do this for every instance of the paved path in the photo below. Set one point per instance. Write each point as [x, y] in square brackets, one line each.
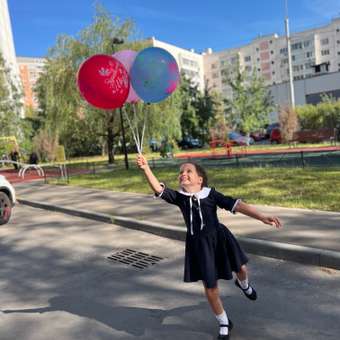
[302, 227]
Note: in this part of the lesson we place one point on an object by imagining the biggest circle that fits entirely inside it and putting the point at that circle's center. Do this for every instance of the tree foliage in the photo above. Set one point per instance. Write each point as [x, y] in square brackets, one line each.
[323, 115]
[10, 102]
[67, 118]
[251, 103]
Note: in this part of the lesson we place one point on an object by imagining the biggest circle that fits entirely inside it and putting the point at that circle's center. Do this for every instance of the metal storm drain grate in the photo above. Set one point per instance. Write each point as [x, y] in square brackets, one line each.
[135, 258]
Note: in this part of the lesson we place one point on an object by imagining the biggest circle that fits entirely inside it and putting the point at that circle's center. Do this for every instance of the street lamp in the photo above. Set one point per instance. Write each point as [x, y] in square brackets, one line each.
[119, 41]
[291, 82]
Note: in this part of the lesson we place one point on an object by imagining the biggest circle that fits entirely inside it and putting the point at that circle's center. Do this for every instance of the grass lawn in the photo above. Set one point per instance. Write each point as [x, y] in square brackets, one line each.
[311, 188]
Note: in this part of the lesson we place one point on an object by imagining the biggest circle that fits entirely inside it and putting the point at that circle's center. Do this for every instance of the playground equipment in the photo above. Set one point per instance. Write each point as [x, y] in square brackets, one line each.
[24, 167]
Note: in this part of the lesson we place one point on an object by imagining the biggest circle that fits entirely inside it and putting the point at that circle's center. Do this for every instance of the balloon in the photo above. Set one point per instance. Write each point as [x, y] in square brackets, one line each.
[154, 74]
[103, 82]
[127, 57]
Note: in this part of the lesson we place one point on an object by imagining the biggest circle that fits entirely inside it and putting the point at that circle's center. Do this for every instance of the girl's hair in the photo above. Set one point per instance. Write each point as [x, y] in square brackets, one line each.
[201, 172]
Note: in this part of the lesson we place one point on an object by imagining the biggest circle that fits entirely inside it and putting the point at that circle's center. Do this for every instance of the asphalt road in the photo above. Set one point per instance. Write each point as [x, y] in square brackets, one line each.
[57, 283]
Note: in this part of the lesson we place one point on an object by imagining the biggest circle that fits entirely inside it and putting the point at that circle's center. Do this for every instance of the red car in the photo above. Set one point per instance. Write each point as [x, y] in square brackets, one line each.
[275, 136]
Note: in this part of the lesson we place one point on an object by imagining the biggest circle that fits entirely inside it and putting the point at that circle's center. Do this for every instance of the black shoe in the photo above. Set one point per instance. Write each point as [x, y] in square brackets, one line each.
[252, 296]
[230, 327]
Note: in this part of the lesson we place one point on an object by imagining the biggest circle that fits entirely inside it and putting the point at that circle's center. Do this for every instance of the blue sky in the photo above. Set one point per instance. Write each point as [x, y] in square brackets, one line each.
[197, 24]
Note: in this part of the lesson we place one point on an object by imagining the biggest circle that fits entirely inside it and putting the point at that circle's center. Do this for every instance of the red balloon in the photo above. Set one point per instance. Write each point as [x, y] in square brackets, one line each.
[103, 82]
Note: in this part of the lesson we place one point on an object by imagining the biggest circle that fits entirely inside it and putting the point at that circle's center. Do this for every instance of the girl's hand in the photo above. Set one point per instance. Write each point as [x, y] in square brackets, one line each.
[142, 163]
[272, 220]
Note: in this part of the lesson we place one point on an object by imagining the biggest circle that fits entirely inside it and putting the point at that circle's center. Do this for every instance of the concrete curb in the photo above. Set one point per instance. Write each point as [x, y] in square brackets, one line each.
[278, 250]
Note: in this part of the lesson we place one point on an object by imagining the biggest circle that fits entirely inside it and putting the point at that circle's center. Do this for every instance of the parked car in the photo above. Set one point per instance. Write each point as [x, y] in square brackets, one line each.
[154, 145]
[7, 200]
[275, 136]
[258, 136]
[270, 127]
[238, 139]
[190, 143]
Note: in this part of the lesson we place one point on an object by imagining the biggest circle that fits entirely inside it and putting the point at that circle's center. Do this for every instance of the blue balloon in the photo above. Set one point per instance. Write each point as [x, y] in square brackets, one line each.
[154, 74]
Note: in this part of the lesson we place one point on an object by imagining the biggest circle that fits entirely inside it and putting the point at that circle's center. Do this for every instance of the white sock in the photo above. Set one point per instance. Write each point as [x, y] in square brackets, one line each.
[245, 285]
[223, 320]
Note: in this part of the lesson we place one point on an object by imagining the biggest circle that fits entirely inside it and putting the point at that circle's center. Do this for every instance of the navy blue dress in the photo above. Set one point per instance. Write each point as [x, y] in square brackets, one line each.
[211, 250]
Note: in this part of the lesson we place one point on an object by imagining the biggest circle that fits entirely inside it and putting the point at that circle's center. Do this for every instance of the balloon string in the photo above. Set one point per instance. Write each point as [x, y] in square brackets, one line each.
[136, 125]
[133, 132]
[141, 145]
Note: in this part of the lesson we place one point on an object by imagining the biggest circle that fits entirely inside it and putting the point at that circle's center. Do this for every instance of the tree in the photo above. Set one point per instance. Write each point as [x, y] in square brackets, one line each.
[288, 123]
[209, 111]
[60, 102]
[200, 111]
[251, 103]
[10, 102]
[58, 95]
[189, 101]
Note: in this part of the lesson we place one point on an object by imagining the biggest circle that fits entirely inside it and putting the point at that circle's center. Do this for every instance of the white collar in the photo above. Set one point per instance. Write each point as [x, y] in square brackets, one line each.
[204, 193]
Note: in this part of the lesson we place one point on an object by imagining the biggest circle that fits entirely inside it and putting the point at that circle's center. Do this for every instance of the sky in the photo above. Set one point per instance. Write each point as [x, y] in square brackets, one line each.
[197, 24]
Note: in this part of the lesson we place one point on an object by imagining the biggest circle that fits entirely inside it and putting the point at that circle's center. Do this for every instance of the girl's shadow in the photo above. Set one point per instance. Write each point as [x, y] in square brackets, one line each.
[132, 320]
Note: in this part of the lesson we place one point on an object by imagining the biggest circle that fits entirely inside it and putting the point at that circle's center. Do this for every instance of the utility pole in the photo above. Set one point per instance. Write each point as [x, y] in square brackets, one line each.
[291, 81]
[118, 41]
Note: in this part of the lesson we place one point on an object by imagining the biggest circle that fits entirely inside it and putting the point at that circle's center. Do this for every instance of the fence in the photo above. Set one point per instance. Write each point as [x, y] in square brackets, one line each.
[326, 159]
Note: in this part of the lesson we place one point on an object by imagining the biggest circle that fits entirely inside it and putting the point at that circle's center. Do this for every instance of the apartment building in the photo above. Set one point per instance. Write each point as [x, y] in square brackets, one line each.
[314, 52]
[30, 69]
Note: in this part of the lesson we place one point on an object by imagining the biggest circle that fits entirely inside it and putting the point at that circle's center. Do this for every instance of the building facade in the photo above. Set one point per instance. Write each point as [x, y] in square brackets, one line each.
[6, 38]
[315, 52]
[30, 69]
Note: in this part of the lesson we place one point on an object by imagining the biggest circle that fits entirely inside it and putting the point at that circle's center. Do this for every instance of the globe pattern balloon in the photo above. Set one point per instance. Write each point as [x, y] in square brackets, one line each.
[154, 74]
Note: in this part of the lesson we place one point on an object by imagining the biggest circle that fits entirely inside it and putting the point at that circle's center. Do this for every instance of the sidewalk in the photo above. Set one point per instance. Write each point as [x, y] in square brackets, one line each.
[308, 236]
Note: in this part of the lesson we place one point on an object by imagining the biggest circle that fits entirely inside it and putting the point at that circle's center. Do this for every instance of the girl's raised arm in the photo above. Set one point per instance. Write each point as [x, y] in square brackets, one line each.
[142, 163]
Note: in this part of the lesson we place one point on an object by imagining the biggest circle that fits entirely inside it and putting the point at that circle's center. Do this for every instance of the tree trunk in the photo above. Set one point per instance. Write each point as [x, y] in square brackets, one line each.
[110, 138]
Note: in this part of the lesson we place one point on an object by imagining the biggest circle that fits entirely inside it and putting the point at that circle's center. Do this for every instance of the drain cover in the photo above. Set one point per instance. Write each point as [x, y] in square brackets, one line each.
[135, 258]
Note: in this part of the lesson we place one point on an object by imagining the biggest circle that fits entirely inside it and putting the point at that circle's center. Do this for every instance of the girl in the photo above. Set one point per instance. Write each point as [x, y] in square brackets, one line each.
[211, 250]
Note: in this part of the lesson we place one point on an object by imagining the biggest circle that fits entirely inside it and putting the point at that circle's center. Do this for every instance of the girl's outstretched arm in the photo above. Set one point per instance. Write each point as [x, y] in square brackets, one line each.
[142, 163]
[251, 211]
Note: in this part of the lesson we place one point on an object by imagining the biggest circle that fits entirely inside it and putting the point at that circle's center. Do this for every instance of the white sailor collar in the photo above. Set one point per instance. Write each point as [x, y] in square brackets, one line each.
[204, 193]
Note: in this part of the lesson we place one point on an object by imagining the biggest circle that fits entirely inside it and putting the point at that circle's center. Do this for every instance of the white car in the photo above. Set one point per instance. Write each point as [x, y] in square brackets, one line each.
[7, 200]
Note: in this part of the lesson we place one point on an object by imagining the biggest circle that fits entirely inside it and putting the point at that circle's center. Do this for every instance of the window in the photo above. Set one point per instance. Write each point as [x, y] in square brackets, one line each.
[324, 41]
[293, 57]
[309, 54]
[234, 60]
[273, 62]
[337, 30]
[248, 68]
[338, 42]
[213, 66]
[306, 43]
[284, 50]
[296, 46]
[271, 52]
[324, 52]
[215, 75]
[247, 58]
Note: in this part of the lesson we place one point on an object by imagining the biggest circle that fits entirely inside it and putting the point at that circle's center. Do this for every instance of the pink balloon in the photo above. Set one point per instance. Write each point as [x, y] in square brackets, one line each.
[127, 57]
